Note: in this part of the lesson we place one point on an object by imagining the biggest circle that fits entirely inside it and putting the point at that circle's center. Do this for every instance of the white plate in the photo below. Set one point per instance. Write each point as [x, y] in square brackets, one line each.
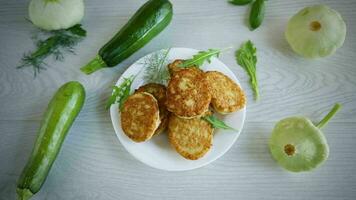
[157, 152]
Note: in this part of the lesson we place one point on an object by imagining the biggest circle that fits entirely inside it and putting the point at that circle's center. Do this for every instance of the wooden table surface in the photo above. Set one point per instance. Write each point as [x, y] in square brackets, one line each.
[94, 165]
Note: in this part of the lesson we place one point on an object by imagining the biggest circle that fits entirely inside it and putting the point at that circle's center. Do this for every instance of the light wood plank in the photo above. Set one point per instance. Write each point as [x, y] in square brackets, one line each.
[93, 165]
[298, 84]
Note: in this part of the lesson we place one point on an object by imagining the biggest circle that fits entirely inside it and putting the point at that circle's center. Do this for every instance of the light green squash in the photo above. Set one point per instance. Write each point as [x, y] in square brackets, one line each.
[298, 145]
[316, 31]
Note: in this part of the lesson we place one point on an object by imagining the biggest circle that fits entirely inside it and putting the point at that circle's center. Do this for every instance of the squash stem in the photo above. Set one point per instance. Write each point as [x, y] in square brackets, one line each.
[331, 114]
[94, 65]
[24, 194]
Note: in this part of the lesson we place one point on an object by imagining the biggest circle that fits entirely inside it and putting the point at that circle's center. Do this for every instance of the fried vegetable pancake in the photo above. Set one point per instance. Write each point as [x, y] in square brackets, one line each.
[174, 66]
[140, 116]
[159, 92]
[191, 138]
[227, 96]
[188, 93]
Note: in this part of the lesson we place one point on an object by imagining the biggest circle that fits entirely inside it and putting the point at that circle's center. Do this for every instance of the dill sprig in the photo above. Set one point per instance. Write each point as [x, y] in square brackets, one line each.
[155, 66]
[55, 44]
[155, 72]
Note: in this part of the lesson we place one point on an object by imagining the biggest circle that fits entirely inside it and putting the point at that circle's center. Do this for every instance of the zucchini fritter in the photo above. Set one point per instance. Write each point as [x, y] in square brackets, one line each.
[159, 92]
[191, 138]
[173, 67]
[140, 116]
[227, 96]
[188, 93]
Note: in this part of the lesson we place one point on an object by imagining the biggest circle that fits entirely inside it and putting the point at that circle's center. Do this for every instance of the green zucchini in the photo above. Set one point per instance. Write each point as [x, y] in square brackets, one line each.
[240, 2]
[144, 25]
[257, 13]
[60, 114]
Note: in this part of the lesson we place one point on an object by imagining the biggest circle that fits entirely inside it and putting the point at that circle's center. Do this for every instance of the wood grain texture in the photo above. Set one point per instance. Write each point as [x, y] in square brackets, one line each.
[94, 165]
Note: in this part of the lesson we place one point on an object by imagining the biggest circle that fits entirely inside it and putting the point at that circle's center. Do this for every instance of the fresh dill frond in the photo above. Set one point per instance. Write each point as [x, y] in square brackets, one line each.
[55, 44]
[155, 66]
[155, 71]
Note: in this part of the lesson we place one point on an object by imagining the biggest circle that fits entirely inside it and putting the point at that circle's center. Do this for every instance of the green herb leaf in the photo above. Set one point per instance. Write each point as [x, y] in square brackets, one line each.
[78, 30]
[199, 58]
[124, 96]
[120, 93]
[55, 44]
[257, 14]
[155, 66]
[112, 98]
[246, 58]
[217, 123]
[240, 2]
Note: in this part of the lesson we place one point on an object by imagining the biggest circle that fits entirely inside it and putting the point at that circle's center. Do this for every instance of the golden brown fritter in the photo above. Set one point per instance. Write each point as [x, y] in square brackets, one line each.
[191, 138]
[140, 116]
[159, 92]
[227, 96]
[188, 93]
[174, 66]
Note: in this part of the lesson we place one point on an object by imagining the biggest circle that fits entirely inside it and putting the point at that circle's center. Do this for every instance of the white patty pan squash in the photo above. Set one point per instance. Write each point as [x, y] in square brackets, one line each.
[316, 31]
[56, 14]
[298, 145]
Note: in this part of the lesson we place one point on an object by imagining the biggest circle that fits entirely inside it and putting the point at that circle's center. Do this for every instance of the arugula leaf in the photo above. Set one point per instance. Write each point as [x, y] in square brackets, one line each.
[246, 58]
[120, 93]
[125, 95]
[217, 123]
[199, 58]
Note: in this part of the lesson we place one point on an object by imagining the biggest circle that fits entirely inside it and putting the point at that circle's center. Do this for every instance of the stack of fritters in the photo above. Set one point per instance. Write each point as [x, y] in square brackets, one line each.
[189, 93]
[144, 113]
[159, 92]
[181, 107]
